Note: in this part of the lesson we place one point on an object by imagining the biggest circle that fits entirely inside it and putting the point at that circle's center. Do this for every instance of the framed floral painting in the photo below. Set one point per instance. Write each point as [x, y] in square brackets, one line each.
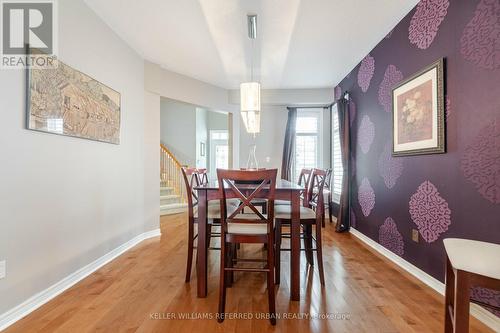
[418, 113]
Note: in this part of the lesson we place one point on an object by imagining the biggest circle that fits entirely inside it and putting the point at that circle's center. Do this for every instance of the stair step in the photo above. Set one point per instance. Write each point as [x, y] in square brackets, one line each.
[169, 196]
[174, 208]
[169, 199]
[164, 190]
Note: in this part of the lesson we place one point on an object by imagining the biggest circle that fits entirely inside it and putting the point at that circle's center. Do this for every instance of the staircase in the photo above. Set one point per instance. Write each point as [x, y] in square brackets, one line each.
[172, 188]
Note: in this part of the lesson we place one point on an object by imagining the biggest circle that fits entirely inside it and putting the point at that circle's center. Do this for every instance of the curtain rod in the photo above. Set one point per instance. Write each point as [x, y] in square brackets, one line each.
[306, 106]
[345, 96]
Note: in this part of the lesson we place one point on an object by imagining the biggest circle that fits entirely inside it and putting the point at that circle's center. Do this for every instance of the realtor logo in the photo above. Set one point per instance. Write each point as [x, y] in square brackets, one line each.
[26, 23]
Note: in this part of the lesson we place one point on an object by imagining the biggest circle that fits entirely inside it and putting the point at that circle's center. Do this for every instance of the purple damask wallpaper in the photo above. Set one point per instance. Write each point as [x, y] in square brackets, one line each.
[456, 194]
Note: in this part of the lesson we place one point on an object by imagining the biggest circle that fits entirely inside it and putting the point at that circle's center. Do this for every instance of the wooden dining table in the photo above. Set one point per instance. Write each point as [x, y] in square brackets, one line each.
[285, 190]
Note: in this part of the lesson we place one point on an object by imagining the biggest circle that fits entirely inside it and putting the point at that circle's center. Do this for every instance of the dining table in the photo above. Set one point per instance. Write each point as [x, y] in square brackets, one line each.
[285, 190]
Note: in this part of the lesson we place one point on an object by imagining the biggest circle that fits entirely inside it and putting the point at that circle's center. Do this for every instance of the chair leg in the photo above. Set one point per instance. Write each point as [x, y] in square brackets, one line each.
[222, 281]
[277, 243]
[229, 263]
[461, 302]
[232, 255]
[190, 251]
[209, 235]
[323, 213]
[319, 254]
[449, 296]
[308, 243]
[330, 206]
[270, 281]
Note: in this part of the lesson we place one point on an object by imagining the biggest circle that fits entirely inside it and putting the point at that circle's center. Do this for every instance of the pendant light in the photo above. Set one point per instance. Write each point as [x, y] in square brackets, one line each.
[250, 91]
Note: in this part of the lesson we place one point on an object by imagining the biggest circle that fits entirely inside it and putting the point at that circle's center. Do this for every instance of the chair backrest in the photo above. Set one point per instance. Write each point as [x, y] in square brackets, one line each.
[245, 169]
[304, 178]
[203, 176]
[191, 179]
[328, 179]
[237, 184]
[315, 192]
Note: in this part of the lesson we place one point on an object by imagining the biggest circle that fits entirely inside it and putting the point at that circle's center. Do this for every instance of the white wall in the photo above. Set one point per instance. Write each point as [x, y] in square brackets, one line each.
[274, 116]
[185, 89]
[201, 137]
[151, 160]
[64, 202]
[270, 139]
[178, 129]
[217, 121]
[290, 97]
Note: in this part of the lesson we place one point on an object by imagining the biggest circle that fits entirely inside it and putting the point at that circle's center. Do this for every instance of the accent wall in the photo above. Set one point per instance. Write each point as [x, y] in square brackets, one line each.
[456, 194]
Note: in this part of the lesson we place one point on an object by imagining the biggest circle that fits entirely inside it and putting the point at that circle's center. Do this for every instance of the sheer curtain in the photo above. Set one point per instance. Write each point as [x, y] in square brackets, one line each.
[288, 147]
[343, 219]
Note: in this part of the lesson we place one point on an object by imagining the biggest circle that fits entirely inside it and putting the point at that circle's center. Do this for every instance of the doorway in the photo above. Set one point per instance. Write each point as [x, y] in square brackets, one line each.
[219, 151]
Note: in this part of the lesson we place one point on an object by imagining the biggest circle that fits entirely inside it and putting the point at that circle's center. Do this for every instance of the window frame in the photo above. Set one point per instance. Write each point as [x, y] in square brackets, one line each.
[212, 142]
[317, 112]
[335, 136]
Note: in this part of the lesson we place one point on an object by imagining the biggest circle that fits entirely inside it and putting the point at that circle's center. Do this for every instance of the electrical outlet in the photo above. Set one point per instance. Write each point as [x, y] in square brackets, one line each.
[3, 269]
[414, 235]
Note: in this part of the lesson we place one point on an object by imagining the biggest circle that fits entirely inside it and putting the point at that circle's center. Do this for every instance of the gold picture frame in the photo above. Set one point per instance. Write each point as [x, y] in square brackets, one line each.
[418, 113]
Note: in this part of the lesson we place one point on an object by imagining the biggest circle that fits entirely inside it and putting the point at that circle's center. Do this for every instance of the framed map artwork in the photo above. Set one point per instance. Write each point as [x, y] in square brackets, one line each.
[62, 100]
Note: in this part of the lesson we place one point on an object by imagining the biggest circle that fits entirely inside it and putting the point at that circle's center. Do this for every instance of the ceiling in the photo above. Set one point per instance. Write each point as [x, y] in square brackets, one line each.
[300, 43]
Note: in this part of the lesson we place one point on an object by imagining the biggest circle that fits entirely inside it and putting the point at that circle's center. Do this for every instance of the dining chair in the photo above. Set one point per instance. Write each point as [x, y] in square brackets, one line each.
[203, 179]
[192, 179]
[238, 227]
[258, 202]
[309, 216]
[202, 176]
[304, 178]
[468, 263]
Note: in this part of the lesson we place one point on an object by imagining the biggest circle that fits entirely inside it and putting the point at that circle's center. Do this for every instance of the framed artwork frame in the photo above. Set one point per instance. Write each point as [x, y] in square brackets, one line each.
[65, 101]
[202, 149]
[418, 113]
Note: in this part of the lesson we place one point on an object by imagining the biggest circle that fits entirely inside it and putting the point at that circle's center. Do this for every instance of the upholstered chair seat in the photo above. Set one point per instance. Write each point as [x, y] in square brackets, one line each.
[474, 256]
[213, 211]
[282, 202]
[469, 263]
[234, 202]
[285, 212]
[247, 228]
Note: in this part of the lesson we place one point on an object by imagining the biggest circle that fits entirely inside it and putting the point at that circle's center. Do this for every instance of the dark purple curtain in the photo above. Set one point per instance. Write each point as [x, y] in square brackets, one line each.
[344, 216]
[288, 147]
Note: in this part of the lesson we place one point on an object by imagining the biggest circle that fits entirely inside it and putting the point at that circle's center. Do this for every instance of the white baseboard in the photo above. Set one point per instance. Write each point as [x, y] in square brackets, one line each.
[486, 317]
[10, 317]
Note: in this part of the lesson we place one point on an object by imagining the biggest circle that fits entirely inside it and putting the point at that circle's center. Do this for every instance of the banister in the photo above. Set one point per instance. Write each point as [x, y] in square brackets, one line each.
[170, 172]
[169, 153]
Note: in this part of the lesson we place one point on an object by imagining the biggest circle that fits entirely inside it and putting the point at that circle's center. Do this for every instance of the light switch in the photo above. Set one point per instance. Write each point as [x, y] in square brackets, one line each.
[414, 235]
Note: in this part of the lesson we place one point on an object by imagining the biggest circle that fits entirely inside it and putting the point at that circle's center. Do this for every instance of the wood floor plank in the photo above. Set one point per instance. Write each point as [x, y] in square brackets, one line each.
[144, 291]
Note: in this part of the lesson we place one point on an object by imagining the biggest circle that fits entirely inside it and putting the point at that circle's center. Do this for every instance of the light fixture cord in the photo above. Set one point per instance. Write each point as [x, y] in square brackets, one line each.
[251, 61]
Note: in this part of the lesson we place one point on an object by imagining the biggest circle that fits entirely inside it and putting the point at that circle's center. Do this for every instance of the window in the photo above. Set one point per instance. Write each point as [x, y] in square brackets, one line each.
[219, 151]
[221, 157]
[308, 140]
[337, 168]
[218, 135]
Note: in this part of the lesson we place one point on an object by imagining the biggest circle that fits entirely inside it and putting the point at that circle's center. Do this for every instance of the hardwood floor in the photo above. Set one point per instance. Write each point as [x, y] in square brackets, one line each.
[144, 291]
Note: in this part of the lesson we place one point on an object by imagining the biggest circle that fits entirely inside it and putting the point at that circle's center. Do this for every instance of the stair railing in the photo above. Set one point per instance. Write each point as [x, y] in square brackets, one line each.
[170, 173]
